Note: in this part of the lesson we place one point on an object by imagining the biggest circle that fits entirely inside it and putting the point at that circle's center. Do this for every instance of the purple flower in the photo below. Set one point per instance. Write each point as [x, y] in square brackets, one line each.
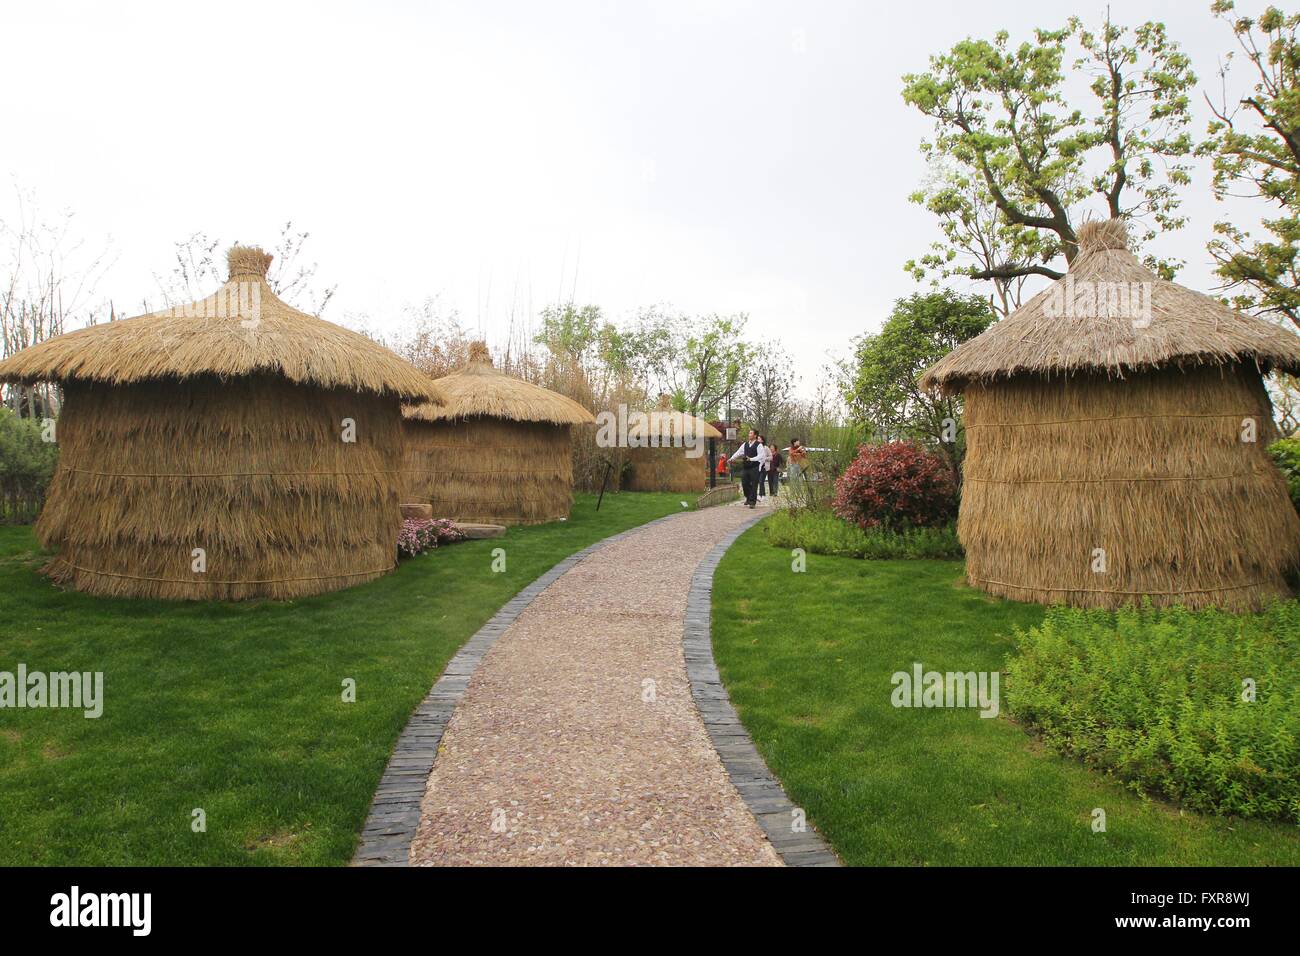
[418, 535]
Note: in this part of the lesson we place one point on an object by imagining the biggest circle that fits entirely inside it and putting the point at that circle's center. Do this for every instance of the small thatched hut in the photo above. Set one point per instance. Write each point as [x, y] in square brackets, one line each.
[1116, 430]
[669, 453]
[231, 448]
[498, 452]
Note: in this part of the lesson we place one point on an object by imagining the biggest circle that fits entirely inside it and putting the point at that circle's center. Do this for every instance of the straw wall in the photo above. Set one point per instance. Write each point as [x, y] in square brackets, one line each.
[253, 471]
[1152, 469]
[489, 470]
[666, 469]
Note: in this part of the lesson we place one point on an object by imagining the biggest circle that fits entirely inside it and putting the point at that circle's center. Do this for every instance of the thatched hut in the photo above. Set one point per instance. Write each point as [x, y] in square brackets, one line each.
[668, 452]
[231, 448]
[1116, 429]
[498, 452]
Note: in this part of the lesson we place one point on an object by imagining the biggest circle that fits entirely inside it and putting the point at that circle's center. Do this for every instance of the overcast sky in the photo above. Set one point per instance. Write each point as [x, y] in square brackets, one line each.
[719, 156]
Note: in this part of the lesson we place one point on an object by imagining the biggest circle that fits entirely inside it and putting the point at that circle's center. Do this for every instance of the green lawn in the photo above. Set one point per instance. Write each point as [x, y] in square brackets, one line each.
[808, 658]
[237, 709]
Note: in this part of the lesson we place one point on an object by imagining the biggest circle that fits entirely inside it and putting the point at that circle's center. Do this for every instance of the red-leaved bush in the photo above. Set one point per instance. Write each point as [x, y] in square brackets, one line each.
[896, 485]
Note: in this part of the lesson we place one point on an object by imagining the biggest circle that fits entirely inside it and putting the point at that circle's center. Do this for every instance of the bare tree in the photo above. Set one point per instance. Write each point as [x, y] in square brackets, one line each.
[199, 267]
[47, 284]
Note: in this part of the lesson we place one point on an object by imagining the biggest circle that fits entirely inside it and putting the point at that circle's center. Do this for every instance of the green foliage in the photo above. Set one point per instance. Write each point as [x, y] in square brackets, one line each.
[1006, 137]
[880, 387]
[766, 387]
[26, 466]
[1255, 143]
[713, 354]
[1287, 455]
[1155, 697]
[696, 360]
[808, 658]
[820, 532]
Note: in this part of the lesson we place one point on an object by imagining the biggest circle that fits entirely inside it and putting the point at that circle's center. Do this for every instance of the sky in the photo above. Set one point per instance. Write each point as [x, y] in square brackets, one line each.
[713, 156]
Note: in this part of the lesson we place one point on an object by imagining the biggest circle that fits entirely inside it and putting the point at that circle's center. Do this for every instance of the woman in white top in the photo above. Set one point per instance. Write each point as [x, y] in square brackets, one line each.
[764, 463]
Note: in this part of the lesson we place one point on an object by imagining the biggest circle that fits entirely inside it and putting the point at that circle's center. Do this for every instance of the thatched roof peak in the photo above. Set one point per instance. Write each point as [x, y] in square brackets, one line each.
[242, 329]
[1103, 234]
[1112, 315]
[248, 262]
[480, 389]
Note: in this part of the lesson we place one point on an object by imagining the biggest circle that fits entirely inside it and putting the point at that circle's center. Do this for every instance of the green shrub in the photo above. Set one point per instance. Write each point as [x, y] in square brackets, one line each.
[26, 466]
[821, 532]
[1287, 455]
[1155, 698]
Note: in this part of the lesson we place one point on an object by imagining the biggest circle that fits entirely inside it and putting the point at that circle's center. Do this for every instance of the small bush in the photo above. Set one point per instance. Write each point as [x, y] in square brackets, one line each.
[896, 485]
[419, 535]
[1287, 455]
[26, 466]
[1155, 697]
[820, 532]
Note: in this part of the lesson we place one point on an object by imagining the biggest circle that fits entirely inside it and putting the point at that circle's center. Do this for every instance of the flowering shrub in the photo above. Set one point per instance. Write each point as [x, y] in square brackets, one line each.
[894, 486]
[419, 535]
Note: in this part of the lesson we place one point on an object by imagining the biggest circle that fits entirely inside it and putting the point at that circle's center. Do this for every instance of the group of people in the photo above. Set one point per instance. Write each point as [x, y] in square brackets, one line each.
[762, 463]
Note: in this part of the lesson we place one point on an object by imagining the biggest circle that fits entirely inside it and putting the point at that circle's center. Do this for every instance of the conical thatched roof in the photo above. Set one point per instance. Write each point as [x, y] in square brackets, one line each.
[1074, 325]
[680, 423]
[242, 329]
[481, 389]
[665, 420]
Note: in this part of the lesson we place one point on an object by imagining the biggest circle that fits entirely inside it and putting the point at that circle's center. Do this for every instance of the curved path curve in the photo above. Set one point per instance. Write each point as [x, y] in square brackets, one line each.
[581, 732]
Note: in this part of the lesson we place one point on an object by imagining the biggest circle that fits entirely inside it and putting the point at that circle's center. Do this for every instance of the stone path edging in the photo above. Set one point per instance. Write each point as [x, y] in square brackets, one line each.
[395, 811]
[720, 495]
[758, 788]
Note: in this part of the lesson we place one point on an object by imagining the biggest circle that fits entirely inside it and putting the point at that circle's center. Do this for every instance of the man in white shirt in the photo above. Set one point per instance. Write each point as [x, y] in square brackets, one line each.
[752, 454]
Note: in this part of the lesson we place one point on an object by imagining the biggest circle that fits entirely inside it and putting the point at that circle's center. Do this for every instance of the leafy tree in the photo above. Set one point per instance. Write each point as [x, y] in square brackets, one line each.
[710, 354]
[881, 383]
[1284, 392]
[608, 358]
[971, 224]
[570, 332]
[766, 385]
[1255, 144]
[1010, 139]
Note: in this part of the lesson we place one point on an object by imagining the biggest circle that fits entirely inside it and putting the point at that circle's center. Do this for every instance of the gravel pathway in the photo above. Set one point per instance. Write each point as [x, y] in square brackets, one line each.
[577, 742]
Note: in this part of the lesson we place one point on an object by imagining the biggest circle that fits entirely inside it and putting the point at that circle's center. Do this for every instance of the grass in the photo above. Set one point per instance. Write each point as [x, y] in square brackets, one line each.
[808, 659]
[237, 709]
[819, 531]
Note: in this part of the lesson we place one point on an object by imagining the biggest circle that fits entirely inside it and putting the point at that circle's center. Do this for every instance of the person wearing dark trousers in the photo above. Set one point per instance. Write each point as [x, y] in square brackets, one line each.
[774, 471]
[750, 453]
